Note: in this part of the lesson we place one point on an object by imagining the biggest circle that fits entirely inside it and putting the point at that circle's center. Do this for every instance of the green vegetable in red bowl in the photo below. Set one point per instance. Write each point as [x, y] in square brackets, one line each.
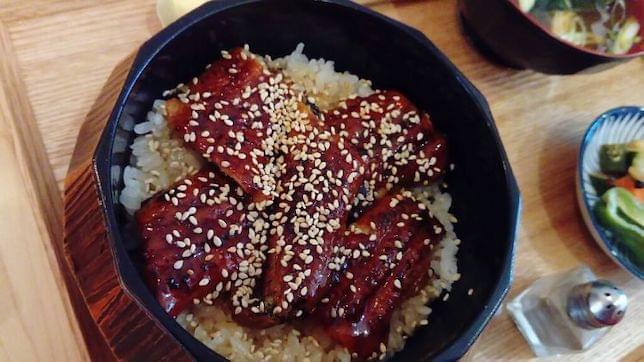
[609, 26]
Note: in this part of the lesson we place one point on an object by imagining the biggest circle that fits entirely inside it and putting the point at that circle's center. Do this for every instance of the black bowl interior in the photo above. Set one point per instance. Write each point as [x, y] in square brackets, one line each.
[392, 55]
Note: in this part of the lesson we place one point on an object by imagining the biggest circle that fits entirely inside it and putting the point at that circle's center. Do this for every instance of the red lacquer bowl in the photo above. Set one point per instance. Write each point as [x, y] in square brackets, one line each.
[507, 35]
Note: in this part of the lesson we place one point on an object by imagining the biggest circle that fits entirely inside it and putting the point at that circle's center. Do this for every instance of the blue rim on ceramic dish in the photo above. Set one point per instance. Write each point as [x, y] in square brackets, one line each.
[618, 125]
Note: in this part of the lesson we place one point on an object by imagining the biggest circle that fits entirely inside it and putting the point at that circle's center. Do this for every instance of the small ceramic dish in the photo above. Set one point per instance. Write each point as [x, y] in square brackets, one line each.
[618, 125]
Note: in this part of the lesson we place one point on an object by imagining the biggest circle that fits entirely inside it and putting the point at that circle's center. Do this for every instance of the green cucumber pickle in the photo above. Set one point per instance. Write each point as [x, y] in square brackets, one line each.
[621, 213]
[613, 159]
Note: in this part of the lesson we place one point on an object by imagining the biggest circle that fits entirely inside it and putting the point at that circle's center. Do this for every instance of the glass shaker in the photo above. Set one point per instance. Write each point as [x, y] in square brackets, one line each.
[568, 312]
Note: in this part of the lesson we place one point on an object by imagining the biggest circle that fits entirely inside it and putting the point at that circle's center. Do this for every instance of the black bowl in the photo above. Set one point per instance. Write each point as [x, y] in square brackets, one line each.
[504, 33]
[393, 55]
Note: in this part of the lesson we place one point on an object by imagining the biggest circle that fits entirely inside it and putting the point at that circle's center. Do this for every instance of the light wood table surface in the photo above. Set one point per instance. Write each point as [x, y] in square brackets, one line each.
[55, 57]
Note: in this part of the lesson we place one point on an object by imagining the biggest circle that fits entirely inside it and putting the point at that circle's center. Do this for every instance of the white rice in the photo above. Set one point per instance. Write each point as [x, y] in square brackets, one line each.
[158, 161]
[318, 78]
[284, 342]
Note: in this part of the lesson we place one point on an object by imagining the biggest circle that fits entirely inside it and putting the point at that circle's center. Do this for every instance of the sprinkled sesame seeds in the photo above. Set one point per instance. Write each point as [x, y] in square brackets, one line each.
[316, 217]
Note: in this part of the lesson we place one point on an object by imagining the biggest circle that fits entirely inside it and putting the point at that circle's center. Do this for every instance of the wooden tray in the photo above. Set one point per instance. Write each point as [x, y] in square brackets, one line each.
[128, 331]
[58, 74]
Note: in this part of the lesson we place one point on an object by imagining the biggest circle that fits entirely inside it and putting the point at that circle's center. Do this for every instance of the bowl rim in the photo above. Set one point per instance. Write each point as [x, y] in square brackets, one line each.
[596, 230]
[102, 161]
[543, 29]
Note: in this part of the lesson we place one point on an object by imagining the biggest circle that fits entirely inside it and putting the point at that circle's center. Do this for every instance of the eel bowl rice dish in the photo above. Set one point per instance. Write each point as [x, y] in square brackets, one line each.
[290, 212]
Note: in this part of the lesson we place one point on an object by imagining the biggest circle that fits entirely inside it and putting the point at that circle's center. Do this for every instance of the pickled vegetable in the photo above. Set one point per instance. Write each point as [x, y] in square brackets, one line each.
[636, 146]
[623, 215]
[636, 170]
[627, 204]
[613, 159]
[601, 183]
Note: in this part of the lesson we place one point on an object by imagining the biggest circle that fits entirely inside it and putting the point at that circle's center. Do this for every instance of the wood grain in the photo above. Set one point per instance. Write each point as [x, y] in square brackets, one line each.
[56, 57]
[131, 333]
[30, 331]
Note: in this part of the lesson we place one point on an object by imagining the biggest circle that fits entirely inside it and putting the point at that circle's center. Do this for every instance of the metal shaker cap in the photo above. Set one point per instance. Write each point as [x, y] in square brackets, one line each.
[596, 304]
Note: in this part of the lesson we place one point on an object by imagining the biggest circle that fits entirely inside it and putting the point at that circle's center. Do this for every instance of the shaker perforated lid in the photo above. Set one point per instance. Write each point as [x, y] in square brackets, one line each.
[596, 304]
